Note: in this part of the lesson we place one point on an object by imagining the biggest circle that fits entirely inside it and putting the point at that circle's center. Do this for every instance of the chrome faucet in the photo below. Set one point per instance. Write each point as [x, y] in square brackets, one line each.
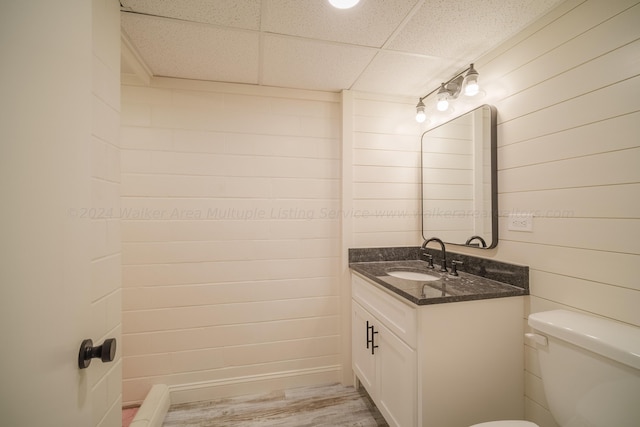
[443, 265]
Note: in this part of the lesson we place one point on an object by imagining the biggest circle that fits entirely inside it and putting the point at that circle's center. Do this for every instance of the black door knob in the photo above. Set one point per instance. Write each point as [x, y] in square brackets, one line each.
[106, 352]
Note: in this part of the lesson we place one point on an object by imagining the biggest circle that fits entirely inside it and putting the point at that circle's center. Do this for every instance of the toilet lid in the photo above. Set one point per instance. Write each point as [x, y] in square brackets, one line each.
[506, 423]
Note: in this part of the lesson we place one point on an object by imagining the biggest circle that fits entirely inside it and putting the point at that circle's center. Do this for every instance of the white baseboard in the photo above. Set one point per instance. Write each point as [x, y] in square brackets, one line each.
[210, 390]
[160, 397]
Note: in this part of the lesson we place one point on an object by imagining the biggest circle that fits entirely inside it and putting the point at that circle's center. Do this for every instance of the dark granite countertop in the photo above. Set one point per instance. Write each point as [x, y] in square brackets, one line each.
[447, 288]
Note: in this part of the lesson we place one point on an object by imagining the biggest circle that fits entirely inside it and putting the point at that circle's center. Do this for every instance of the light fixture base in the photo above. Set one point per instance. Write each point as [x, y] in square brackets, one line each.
[454, 87]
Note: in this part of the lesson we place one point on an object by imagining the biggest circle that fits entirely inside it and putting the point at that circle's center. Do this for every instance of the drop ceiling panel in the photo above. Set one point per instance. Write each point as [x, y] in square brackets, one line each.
[394, 73]
[370, 23]
[465, 29]
[309, 64]
[194, 51]
[231, 13]
[399, 47]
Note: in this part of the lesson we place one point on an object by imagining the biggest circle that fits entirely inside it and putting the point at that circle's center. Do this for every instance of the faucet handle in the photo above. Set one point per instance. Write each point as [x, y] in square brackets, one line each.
[429, 258]
[454, 267]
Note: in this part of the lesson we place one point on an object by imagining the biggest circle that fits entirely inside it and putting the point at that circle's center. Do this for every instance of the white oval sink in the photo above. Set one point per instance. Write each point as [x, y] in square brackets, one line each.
[413, 275]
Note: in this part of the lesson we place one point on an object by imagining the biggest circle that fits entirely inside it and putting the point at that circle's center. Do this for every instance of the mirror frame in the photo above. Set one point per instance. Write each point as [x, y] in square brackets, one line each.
[494, 177]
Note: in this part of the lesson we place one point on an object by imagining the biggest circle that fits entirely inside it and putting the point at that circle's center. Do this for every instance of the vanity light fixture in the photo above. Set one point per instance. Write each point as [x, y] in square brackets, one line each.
[343, 4]
[468, 84]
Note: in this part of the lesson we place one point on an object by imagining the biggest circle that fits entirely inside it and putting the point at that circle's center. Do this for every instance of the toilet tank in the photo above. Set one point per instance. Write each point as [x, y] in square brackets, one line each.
[590, 369]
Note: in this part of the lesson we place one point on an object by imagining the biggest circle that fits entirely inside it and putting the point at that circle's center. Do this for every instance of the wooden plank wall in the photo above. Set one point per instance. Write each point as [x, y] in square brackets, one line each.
[567, 91]
[230, 226]
[569, 152]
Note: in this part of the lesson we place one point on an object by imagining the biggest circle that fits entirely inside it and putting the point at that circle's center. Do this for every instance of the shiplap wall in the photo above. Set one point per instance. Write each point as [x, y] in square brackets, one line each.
[231, 234]
[569, 152]
[567, 91]
[384, 209]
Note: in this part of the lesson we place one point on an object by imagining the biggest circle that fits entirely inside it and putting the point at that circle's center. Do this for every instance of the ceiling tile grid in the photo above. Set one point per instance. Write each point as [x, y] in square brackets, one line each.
[393, 47]
[243, 14]
[309, 64]
[370, 23]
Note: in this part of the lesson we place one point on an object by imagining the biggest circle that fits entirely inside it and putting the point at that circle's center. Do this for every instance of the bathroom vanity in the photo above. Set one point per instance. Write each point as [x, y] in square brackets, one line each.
[433, 349]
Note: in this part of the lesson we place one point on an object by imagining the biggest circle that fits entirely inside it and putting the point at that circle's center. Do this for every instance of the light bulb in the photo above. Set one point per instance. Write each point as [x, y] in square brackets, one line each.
[420, 115]
[471, 86]
[343, 4]
[471, 89]
[443, 98]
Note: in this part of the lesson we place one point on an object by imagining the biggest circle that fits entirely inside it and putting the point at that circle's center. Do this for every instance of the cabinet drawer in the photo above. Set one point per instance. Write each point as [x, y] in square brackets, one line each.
[397, 316]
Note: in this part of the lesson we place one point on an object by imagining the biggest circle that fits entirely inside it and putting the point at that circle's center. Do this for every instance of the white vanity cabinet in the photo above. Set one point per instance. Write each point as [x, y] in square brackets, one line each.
[385, 364]
[438, 365]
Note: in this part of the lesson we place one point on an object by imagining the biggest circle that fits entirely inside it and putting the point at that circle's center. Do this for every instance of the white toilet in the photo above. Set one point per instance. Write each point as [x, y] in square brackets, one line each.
[590, 370]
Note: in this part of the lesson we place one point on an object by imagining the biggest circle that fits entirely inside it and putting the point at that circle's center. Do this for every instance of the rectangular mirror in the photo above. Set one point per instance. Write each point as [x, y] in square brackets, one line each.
[459, 180]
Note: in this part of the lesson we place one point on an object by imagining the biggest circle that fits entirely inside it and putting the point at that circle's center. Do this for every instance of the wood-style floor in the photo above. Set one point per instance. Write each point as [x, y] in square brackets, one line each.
[320, 406]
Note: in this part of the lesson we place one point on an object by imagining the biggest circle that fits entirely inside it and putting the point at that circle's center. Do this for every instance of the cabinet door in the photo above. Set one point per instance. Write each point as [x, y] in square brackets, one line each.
[396, 382]
[364, 363]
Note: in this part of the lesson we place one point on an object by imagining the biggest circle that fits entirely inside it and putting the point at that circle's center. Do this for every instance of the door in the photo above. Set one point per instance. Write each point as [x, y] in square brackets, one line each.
[396, 376]
[45, 180]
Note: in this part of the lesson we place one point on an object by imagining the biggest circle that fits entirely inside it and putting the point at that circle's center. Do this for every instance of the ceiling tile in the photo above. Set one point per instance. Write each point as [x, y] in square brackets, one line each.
[402, 47]
[370, 23]
[466, 29]
[402, 74]
[233, 13]
[194, 51]
[309, 64]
